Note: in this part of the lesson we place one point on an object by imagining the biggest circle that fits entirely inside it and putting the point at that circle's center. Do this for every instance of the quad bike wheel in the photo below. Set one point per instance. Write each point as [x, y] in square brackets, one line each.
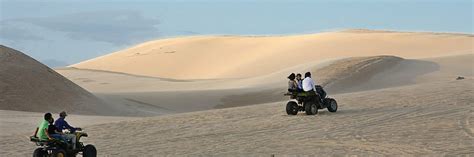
[58, 153]
[89, 151]
[39, 152]
[332, 106]
[292, 108]
[311, 109]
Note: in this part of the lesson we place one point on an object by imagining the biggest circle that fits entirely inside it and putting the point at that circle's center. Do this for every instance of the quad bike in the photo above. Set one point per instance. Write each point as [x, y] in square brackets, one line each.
[59, 148]
[310, 102]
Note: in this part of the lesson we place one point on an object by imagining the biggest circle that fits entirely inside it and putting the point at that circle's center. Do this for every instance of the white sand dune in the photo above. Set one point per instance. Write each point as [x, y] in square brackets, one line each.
[211, 57]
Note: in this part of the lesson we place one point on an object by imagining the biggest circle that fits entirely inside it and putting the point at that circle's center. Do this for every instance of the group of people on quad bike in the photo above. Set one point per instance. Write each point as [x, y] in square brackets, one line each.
[296, 84]
[306, 96]
[60, 130]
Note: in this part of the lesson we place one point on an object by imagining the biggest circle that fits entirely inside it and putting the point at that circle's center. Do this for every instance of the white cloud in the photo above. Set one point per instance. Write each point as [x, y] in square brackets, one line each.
[11, 31]
[115, 27]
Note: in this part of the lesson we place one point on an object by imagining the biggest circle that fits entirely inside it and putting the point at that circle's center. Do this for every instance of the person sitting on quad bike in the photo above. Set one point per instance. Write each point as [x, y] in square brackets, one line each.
[299, 80]
[292, 85]
[42, 130]
[53, 131]
[62, 124]
[311, 88]
[308, 83]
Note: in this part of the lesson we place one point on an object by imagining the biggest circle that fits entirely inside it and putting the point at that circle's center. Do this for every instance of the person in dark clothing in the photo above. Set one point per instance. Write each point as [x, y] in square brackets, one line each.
[299, 81]
[62, 124]
[53, 132]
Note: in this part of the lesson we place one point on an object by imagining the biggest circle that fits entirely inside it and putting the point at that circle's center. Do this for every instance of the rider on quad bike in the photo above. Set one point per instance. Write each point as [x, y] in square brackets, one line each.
[62, 124]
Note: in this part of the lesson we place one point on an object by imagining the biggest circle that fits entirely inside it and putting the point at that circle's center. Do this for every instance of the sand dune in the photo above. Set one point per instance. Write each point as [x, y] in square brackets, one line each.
[451, 66]
[368, 73]
[159, 96]
[339, 71]
[211, 57]
[28, 85]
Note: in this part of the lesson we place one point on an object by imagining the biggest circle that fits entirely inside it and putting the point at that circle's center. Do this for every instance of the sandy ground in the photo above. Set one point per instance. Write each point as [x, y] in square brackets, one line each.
[20, 122]
[419, 119]
[424, 119]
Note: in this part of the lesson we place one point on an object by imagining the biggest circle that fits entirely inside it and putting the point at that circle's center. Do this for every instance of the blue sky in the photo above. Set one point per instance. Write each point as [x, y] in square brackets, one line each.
[59, 32]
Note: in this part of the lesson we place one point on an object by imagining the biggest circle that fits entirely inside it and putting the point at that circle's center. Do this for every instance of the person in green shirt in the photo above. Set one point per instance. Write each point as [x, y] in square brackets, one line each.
[42, 129]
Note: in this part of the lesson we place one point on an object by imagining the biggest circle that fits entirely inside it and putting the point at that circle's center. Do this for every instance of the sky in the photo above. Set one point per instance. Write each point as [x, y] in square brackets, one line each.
[63, 32]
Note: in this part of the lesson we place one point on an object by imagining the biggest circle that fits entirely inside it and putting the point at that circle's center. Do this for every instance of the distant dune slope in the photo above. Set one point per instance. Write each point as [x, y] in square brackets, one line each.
[204, 57]
[28, 85]
[342, 76]
[353, 71]
[452, 66]
[366, 73]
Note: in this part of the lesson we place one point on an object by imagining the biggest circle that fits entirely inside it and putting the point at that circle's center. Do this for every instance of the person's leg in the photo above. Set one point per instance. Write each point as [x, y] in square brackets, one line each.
[323, 93]
[57, 137]
[72, 138]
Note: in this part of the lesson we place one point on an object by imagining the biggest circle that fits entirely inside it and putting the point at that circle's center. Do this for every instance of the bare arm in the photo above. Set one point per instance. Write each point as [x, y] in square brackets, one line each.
[36, 131]
[47, 134]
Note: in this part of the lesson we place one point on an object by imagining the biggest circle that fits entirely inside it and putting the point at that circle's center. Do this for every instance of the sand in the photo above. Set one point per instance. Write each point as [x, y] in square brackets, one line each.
[410, 120]
[150, 96]
[26, 122]
[254, 67]
[419, 119]
[213, 57]
[28, 85]
[397, 94]
[161, 96]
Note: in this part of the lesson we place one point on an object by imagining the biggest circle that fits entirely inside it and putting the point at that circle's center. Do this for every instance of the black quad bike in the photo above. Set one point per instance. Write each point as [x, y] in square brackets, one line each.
[59, 148]
[310, 102]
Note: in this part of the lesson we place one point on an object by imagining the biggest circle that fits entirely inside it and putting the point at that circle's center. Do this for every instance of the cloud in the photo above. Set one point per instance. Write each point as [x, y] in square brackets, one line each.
[188, 32]
[115, 27]
[10, 31]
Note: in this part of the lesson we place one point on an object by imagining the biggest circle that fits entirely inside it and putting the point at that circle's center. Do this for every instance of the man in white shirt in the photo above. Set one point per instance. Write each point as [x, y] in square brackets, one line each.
[308, 83]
